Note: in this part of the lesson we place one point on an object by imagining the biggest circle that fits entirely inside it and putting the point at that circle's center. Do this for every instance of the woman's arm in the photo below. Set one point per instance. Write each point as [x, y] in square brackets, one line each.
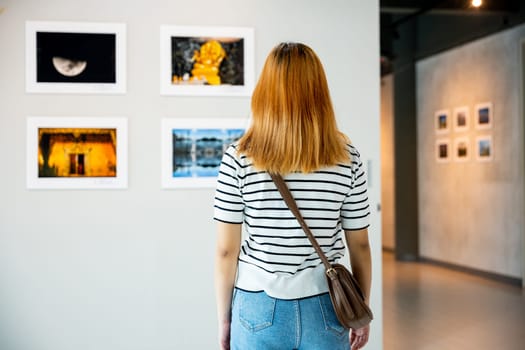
[360, 259]
[226, 255]
[361, 262]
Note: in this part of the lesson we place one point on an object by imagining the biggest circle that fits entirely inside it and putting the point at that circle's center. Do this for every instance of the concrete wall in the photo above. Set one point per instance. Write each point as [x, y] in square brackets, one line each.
[471, 213]
[522, 112]
[387, 163]
[133, 269]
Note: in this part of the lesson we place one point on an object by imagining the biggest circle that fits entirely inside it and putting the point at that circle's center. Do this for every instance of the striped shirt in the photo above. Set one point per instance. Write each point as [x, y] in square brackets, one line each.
[276, 256]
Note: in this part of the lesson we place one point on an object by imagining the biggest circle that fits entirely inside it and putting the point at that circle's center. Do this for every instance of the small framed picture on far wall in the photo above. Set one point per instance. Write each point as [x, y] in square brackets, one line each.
[461, 119]
[442, 121]
[461, 149]
[442, 150]
[484, 116]
[484, 148]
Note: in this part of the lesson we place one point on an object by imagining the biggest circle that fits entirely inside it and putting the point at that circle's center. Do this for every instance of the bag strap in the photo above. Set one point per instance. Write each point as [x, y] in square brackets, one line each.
[292, 205]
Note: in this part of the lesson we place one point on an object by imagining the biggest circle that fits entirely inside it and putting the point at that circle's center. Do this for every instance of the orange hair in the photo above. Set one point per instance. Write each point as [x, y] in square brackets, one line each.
[293, 126]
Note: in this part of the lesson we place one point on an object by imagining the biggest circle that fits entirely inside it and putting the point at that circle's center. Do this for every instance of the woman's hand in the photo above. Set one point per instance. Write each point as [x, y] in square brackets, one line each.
[361, 262]
[224, 335]
[359, 337]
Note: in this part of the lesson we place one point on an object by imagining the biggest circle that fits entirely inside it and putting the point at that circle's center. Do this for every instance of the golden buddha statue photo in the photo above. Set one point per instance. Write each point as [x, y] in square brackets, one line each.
[207, 62]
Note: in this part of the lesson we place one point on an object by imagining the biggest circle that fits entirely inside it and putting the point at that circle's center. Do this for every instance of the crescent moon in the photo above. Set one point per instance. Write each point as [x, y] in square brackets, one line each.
[67, 67]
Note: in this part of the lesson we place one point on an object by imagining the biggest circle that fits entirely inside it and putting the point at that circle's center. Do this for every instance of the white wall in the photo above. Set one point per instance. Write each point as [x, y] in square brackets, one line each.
[471, 214]
[133, 269]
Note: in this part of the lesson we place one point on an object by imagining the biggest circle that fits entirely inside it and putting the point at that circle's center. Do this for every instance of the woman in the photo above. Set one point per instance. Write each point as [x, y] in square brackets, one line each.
[271, 290]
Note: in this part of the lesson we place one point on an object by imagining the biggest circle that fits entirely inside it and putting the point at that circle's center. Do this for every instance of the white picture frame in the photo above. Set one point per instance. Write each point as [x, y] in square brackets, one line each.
[75, 57]
[198, 166]
[77, 153]
[178, 73]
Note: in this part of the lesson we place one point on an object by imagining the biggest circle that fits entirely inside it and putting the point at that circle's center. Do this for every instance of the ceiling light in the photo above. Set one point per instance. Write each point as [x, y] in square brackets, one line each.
[477, 3]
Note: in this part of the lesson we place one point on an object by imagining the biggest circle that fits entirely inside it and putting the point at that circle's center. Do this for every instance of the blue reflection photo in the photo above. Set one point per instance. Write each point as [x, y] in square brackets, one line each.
[198, 152]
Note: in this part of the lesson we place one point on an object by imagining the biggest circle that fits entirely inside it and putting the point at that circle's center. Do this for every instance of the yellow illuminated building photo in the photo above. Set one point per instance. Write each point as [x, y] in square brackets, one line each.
[77, 152]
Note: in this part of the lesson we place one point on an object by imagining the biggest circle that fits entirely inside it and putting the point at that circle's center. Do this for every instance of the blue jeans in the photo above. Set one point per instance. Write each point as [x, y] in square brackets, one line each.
[260, 322]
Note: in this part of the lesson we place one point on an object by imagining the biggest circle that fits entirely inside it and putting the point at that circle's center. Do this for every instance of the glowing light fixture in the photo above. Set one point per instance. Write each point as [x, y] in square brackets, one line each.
[477, 3]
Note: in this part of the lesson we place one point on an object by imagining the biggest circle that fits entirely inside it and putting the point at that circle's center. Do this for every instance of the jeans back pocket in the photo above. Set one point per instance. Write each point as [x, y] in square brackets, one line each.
[256, 310]
[330, 318]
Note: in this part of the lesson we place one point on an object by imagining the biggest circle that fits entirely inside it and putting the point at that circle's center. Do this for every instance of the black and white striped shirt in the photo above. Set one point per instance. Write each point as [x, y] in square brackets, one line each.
[276, 256]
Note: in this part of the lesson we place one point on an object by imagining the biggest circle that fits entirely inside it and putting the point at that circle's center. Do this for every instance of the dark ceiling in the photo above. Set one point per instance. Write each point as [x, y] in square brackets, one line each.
[455, 5]
[415, 29]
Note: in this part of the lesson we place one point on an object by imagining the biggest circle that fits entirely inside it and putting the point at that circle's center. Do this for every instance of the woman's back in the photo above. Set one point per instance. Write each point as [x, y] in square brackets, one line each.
[276, 255]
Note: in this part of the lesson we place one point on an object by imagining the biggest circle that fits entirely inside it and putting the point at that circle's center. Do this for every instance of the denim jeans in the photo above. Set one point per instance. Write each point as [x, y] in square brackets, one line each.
[260, 322]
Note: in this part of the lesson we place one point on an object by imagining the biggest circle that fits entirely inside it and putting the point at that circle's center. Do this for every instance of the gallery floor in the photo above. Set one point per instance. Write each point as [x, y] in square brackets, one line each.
[427, 307]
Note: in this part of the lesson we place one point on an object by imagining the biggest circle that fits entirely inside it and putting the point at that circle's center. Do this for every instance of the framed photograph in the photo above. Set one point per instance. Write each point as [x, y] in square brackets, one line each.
[192, 149]
[442, 121]
[77, 153]
[484, 116]
[484, 148]
[75, 57]
[461, 149]
[212, 61]
[461, 119]
[443, 150]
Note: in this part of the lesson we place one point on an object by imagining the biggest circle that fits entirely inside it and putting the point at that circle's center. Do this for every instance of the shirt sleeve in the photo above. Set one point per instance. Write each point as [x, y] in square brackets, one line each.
[228, 203]
[355, 212]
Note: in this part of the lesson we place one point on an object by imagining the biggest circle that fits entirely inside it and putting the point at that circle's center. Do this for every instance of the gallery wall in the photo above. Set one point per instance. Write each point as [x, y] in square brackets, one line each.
[471, 208]
[132, 268]
[387, 163]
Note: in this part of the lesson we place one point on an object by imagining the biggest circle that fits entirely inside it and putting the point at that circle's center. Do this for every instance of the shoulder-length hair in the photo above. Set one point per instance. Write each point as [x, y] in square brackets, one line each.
[294, 126]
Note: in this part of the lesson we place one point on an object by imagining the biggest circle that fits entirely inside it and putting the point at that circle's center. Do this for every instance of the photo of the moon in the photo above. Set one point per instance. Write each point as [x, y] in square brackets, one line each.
[63, 57]
[67, 67]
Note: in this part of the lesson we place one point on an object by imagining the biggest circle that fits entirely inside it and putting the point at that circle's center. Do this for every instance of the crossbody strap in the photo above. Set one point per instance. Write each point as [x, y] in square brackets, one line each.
[292, 205]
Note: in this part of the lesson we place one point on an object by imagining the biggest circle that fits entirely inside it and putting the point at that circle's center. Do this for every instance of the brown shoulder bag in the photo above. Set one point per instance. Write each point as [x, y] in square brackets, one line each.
[346, 295]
